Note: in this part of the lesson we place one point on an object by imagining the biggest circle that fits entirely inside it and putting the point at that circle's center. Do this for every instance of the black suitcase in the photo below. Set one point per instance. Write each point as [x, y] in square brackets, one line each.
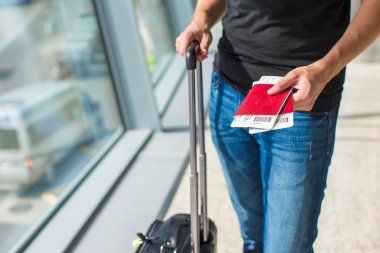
[187, 233]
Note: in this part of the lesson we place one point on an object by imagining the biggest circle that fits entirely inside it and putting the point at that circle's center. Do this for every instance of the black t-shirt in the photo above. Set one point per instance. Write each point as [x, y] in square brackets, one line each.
[272, 37]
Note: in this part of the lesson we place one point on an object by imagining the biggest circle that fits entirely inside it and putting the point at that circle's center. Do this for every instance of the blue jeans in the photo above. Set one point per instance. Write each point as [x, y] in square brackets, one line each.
[276, 179]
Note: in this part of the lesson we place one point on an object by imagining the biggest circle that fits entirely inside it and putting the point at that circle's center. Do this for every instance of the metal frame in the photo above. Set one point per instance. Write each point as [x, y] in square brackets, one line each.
[111, 61]
[125, 45]
[180, 13]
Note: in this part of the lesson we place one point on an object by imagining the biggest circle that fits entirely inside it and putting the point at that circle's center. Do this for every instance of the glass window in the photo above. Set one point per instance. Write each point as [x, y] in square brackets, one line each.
[57, 107]
[155, 35]
[8, 139]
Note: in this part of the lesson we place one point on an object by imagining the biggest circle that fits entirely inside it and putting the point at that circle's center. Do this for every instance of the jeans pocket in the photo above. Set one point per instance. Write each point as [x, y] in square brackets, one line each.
[215, 80]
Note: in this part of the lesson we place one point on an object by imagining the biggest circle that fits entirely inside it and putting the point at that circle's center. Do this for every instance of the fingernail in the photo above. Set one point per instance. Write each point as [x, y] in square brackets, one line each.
[271, 91]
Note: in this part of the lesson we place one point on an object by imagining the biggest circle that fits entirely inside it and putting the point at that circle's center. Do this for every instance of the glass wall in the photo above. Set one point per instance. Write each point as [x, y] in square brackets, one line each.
[57, 106]
[155, 34]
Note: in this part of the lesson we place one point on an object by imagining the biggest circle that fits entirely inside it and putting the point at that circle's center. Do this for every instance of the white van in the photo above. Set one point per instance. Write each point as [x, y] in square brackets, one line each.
[39, 125]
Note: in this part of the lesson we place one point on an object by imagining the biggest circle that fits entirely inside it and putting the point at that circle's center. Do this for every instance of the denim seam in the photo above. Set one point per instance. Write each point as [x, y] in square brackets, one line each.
[328, 135]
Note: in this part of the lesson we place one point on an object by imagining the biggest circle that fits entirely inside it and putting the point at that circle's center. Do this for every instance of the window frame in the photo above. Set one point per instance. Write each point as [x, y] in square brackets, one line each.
[179, 15]
[128, 62]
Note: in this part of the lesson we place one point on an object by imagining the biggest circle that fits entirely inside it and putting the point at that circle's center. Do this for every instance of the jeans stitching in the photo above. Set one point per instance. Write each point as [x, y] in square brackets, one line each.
[215, 80]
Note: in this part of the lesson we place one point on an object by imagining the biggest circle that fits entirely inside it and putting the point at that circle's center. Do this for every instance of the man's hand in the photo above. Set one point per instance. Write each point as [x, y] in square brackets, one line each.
[309, 81]
[191, 33]
[206, 14]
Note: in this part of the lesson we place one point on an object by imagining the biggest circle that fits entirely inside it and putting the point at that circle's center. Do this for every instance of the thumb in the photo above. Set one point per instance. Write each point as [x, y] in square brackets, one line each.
[281, 85]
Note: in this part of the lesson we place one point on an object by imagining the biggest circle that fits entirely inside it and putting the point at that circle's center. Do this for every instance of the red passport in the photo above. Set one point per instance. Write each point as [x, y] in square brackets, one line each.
[258, 102]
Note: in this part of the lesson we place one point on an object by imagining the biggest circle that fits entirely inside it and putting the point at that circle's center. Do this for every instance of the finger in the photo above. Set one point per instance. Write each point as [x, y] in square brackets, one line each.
[281, 85]
[302, 102]
[183, 43]
[205, 44]
[297, 101]
[296, 106]
[297, 96]
[201, 57]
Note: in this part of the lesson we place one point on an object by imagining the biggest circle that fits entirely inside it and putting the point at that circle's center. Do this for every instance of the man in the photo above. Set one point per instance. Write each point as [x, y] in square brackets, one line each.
[276, 179]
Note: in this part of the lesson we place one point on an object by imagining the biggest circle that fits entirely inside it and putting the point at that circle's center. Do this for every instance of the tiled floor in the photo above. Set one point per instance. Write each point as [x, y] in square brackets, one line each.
[350, 219]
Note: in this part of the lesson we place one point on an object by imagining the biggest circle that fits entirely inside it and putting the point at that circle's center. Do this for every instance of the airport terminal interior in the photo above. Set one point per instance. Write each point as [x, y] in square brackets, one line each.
[94, 141]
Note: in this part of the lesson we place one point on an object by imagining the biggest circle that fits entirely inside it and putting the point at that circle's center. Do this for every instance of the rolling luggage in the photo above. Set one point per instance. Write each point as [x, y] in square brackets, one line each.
[187, 233]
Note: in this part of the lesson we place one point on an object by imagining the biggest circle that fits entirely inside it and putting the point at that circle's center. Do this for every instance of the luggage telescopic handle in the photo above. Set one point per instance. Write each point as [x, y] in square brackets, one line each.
[191, 55]
[191, 65]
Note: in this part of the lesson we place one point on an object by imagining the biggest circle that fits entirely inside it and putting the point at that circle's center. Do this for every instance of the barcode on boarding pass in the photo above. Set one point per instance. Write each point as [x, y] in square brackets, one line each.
[252, 119]
[282, 120]
[262, 119]
[244, 118]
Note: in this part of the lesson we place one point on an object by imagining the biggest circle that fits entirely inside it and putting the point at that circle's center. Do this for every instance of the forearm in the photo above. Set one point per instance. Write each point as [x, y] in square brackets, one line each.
[208, 12]
[364, 29]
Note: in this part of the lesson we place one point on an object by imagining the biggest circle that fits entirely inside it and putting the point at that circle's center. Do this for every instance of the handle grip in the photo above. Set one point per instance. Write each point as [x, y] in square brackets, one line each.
[191, 56]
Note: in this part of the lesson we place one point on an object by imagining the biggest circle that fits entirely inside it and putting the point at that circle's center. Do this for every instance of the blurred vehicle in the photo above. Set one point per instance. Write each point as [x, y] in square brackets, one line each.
[14, 2]
[40, 124]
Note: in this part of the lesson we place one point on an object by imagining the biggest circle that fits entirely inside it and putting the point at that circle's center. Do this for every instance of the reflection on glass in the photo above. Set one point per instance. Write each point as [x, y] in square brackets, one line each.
[155, 35]
[57, 106]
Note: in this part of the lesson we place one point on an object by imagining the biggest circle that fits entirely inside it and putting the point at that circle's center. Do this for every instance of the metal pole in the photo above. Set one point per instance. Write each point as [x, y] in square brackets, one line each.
[193, 166]
[202, 155]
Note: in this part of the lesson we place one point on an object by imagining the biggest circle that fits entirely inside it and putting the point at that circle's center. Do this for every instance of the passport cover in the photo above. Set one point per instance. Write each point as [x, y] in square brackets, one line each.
[258, 102]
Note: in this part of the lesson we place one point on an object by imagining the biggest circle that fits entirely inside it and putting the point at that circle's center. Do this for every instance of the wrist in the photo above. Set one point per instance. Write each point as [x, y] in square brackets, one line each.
[320, 72]
[202, 21]
[331, 63]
